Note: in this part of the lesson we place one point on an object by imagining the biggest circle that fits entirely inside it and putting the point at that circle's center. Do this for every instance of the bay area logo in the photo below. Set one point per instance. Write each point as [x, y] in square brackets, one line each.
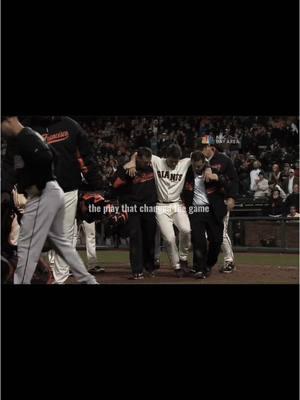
[219, 139]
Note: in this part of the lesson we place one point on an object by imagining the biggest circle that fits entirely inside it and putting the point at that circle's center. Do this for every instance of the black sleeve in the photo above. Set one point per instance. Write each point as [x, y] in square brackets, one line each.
[8, 173]
[120, 178]
[83, 144]
[35, 152]
[232, 180]
[91, 171]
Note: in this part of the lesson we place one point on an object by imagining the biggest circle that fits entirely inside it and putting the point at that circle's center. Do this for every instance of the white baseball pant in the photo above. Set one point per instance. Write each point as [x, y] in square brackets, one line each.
[61, 270]
[168, 214]
[89, 231]
[226, 245]
[44, 217]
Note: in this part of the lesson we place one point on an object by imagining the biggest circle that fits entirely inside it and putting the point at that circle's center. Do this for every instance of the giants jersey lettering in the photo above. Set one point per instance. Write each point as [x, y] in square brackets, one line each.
[169, 182]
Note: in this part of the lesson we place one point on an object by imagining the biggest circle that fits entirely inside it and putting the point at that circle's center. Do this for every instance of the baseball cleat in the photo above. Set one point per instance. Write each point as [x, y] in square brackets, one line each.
[136, 277]
[228, 268]
[156, 264]
[150, 274]
[200, 275]
[96, 270]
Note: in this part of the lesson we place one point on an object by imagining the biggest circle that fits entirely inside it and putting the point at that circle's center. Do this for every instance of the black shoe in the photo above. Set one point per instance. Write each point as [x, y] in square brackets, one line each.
[150, 274]
[96, 270]
[203, 274]
[228, 268]
[136, 277]
[200, 275]
[157, 264]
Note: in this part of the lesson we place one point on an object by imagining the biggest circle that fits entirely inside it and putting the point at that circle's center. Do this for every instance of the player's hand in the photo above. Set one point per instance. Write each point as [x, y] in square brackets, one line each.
[230, 203]
[209, 176]
[129, 164]
[131, 172]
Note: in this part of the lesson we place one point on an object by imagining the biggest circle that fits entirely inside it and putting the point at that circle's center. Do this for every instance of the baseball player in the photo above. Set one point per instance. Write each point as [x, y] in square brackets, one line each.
[89, 230]
[169, 175]
[44, 211]
[71, 144]
[206, 209]
[221, 164]
[139, 193]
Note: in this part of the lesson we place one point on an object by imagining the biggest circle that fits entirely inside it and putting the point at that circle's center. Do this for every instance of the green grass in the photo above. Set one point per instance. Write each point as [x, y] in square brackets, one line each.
[110, 257]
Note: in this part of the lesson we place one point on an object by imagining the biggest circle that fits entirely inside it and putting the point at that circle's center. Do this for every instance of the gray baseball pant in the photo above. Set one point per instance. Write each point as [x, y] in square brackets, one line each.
[43, 217]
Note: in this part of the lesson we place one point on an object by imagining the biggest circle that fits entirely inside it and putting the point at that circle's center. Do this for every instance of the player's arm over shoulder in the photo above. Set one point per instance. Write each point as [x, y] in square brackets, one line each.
[186, 162]
[155, 160]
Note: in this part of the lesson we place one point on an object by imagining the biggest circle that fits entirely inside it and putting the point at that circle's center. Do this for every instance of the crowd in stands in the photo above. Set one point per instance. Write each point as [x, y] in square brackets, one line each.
[264, 150]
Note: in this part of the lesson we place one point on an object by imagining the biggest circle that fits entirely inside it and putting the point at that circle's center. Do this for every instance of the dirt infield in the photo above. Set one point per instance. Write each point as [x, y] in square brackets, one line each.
[273, 269]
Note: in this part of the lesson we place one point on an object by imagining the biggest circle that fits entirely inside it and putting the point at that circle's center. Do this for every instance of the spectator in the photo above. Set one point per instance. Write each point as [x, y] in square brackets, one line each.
[281, 192]
[292, 199]
[275, 176]
[286, 168]
[243, 171]
[275, 205]
[288, 183]
[285, 177]
[293, 213]
[297, 169]
[254, 174]
[261, 186]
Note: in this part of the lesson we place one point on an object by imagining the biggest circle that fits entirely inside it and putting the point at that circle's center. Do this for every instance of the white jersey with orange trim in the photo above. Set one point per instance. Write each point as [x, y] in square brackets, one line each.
[169, 182]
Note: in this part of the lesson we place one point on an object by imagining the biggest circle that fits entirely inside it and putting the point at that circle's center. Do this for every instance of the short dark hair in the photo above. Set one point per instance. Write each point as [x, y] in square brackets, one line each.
[144, 152]
[197, 156]
[174, 150]
[199, 145]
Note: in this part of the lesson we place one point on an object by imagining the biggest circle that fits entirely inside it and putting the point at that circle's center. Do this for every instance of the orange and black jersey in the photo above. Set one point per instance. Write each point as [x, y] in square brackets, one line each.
[70, 142]
[28, 161]
[140, 190]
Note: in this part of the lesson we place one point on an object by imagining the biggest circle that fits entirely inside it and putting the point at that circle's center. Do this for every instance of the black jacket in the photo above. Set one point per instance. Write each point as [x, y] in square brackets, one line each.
[139, 190]
[215, 191]
[33, 161]
[223, 166]
[291, 200]
[8, 173]
[71, 145]
[276, 206]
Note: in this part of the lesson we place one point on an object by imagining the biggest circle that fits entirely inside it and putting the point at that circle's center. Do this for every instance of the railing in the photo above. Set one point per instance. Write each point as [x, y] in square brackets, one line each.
[265, 234]
[248, 234]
